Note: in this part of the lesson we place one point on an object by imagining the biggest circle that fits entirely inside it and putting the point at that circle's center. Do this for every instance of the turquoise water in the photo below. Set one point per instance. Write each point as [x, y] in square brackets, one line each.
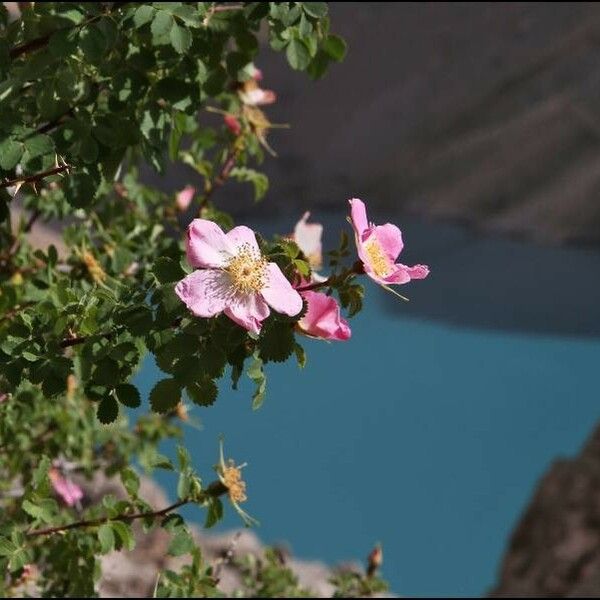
[425, 436]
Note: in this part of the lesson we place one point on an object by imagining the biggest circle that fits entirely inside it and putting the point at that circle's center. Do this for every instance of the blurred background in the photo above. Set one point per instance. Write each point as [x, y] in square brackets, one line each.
[475, 128]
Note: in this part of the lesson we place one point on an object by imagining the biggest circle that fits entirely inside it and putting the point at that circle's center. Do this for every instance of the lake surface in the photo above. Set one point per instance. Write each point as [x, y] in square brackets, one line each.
[427, 431]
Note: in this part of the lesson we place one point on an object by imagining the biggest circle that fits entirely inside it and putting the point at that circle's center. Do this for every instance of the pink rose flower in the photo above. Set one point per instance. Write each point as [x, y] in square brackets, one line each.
[232, 124]
[233, 277]
[322, 318]
[252, 94]
[185, 197]
[255, 73]
[70, 492]
[308, 238]
[378, 248]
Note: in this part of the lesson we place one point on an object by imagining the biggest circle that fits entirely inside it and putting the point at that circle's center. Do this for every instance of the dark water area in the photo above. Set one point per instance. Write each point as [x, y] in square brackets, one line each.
[429, 429]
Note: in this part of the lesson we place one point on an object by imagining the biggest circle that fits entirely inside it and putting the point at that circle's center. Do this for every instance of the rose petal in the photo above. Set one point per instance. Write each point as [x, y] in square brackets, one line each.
[308, 237]
[323, 319]
[248, 311]
[207, 246]
[416, 272]
[185, 197]
[358, 216]
[279, 293]
[243, 236]
[70, 492]
[205, 293]
[390, 239]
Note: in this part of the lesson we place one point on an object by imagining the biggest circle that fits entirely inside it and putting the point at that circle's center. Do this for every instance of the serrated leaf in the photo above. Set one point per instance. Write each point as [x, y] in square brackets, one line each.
[128, 395]
[203, 392]
[335, 47]
[297, 54]
[167, 270]
[165, 395]
[38, 145]
[318, 10]
[106, 537]
[277, 343]
[131, 481]
[108, 410]
[124, 534]
[143, 15]
[10, 153]
[7, 547]
[162, 23]
[181, 38]
[92, 42]
[181, 543]
[257, 374]
[214, 514]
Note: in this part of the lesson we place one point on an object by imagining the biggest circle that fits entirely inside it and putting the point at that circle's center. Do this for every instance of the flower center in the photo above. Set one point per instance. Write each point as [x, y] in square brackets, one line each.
[248, 270]
[232, 479]
[378, 260]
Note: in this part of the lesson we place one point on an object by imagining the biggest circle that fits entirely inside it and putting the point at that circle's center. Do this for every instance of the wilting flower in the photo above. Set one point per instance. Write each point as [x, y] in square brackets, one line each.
[323, 319]
[255, 72]
[252, 94]
[232, 123]
[70, 492]
[233, 277]
[308, 238]
[378, 248]
[94, 268]
[230, 476]
[185, 197]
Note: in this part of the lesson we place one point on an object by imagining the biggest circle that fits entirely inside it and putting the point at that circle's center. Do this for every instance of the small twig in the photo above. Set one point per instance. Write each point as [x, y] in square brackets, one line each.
[75, 341]
[37, 177]
[214, 490]
[222, 177]
[35, 215]
[226, 558]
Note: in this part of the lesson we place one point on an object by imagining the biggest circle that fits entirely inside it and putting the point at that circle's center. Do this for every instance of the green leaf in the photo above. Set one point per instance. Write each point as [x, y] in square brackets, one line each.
[124, 533]
[277, 343]
[300, 355]
[165, 395]
[181, 543]
[203, 392]
[106, 537]
[39, 145]
[181, 38]
[318, 10]
[128, 395]
[297, 54]
[335, 47]
[167, 270]
[108, 410]
[93, 43]
[183, 457]
[10, 153]
[161, 24]
[44, 510]
[130, 481]
[7, 547]
[214, 514]
[188, 14]
[143, 15]
[257, 374]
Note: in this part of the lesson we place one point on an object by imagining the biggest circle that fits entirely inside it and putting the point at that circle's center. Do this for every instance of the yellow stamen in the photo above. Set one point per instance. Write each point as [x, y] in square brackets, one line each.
[232, 480]
[378, 261]
[93, 266]
[248, 270]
